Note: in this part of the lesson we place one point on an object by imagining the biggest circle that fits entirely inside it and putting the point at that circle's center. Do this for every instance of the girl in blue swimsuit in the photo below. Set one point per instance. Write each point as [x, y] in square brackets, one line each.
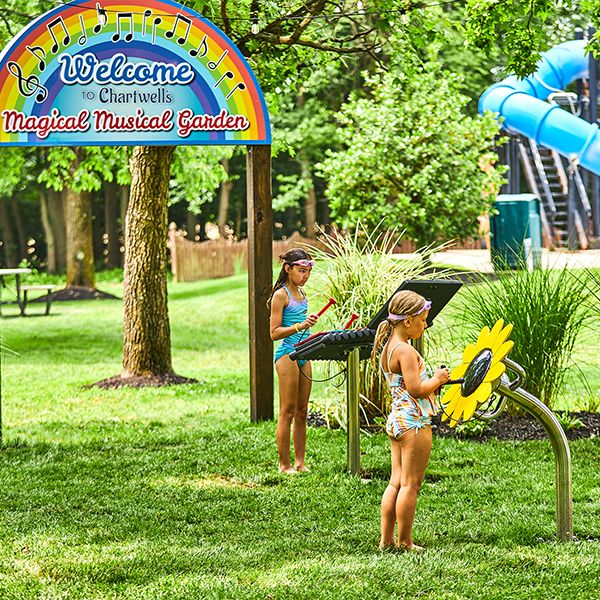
[291, 323]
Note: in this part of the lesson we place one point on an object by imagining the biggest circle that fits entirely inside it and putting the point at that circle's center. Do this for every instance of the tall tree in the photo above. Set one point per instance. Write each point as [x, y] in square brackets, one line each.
[78, 172]
[111, 224]
[147, 342]
[280, 25]
[80, 243]
[523, 28]
[56, 217]
[224, 195]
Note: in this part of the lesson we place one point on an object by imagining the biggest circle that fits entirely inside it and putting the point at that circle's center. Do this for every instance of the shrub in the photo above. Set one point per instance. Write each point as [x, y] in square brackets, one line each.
[412, 156]
[472, 429]
[548, 310]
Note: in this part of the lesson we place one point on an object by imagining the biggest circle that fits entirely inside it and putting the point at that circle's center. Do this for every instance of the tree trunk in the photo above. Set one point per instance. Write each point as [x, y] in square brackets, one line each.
[98, 226]
[111, 213]
[124, 202]
[8, 238]
[48, 232]
[21, 238]
[310, 206]
[224, 195]
[147, 344]
[80, 241]
[238, 223]
[56, 214]
[192, 226]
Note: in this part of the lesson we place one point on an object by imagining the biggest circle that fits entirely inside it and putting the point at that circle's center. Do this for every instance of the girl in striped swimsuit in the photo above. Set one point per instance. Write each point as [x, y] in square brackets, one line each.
[290, 322]
[409, 422]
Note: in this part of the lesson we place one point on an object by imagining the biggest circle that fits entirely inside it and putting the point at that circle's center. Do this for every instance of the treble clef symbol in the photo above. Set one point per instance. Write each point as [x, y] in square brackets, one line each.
[28, 86]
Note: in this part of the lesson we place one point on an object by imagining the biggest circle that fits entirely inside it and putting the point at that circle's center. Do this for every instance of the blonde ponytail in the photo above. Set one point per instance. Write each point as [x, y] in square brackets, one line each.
[384, 330]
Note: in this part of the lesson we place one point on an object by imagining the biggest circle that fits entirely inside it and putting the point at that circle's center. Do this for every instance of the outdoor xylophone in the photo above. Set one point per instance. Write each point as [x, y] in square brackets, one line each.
[334, 345]
[354, 345]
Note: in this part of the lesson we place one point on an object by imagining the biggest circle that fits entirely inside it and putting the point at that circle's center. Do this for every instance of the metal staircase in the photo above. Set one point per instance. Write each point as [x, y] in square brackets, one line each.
[565, 208]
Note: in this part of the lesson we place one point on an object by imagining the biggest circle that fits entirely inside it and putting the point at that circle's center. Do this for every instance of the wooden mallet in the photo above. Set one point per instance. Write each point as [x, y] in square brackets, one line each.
[350, 321]
[330, 302]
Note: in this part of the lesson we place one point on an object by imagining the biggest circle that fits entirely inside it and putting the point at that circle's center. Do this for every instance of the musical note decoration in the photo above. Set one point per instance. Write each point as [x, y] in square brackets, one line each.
[66, 39]
[180, 19]
[83, 37]
[102, 18]
[28, 86]
[227, 75]
[201, 50]
[147, 13]
[40, 54]
[212, 65]
[239, 86]
[155, 25]
[128, 17]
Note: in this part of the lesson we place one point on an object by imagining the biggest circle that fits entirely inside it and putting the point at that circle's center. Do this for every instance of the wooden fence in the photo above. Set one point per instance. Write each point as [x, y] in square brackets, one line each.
[191, 261]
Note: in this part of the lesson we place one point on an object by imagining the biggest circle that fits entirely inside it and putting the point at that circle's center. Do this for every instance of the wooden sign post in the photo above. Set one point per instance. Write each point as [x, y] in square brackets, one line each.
[260, 273]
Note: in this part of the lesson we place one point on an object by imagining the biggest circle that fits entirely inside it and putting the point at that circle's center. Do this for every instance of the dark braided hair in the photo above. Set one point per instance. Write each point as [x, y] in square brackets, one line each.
[287, 258]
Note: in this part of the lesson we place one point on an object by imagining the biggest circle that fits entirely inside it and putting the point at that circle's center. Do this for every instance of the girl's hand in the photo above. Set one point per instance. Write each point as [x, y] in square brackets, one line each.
[310, 321]
[442, 375]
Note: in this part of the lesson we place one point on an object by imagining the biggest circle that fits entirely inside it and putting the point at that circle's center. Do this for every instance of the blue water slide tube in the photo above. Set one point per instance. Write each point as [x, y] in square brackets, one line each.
[521, 104]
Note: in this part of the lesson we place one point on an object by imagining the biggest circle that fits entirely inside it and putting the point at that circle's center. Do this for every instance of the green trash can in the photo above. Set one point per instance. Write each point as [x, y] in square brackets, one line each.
[516, 232]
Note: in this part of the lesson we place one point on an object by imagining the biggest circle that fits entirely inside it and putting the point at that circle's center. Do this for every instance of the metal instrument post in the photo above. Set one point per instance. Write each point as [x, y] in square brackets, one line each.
[562, 455]
[352, 399]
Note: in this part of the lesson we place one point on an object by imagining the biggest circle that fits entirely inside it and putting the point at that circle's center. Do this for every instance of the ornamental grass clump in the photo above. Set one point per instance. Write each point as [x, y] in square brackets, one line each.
[360, 272]
[548, 308]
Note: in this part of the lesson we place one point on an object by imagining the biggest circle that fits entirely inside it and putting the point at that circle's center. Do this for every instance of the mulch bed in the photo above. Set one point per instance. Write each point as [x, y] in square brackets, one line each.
[505, 427]
[75, 293]
[523, 427]
[139, 382]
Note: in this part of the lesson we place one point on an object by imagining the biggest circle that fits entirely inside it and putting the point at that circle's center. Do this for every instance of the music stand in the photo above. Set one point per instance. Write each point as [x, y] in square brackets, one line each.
[439, 291]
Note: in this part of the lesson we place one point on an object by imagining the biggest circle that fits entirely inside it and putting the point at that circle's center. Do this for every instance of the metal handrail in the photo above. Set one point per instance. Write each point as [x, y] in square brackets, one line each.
[537, 160]
[528, 170]
[582, 193]
[562, 174]
[577, 192]
[547, 224]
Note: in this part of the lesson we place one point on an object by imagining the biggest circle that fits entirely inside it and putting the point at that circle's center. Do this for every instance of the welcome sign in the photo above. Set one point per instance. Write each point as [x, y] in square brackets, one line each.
[124, 72]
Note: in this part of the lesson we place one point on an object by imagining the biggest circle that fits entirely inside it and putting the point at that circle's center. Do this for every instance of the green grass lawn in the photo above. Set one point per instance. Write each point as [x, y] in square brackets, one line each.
[172, 493]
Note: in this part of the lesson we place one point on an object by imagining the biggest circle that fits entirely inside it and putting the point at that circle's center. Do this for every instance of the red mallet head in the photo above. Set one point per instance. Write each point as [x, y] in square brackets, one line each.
[331, 302]
[350, 321]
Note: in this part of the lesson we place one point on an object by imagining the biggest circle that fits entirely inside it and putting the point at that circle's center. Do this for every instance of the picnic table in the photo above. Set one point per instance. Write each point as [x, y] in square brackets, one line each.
[22, 290]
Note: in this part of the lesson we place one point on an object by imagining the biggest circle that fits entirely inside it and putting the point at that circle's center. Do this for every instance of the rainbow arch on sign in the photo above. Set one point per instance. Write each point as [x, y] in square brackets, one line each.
[154, 31]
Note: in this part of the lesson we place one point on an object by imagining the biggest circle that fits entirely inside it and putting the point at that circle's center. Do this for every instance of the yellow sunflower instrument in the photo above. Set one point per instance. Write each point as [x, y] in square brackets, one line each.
[478, 374]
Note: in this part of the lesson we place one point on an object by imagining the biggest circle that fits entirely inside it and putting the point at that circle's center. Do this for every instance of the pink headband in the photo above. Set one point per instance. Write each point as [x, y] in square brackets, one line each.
[304, 262]
[393, 317]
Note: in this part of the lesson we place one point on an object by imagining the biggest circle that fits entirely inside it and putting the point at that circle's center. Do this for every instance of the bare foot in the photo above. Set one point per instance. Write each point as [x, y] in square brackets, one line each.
[383, 547]
[287, 470]
[411, 548]
[302, 469]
